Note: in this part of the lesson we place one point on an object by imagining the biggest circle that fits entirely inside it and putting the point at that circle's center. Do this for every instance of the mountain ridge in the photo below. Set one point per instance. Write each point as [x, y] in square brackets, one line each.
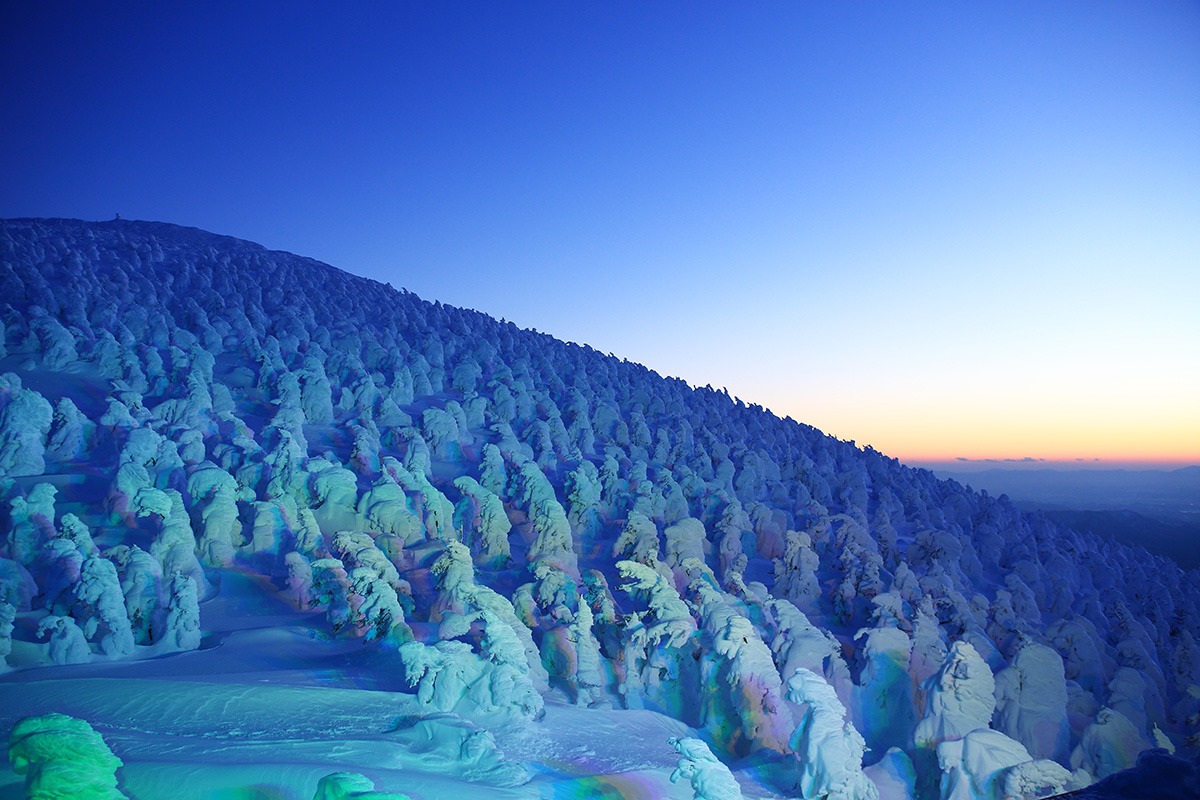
[556, 527]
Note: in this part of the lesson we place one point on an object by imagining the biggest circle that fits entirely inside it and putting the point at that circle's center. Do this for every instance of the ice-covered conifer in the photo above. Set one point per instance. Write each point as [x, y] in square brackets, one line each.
[1039, 777]
[685, 539]
[978, 766]
[796, 572]
[25, 418]
[175, 544]
[63, 757]
[554, 541]
[70, 433]
[588, 675]
[364, 454]
[442, 672]
[884, 707]
[68, 645]
[17, 586]
[493, 475]
[376, 607]
[828, 749]
[440, 429]
[8, 615]
[385, 508]
[58, 566]
[32, 519]
[75, 530]
[299, 578]
[331, 591]
[56, 343]
[709, 778]
[929, 649]
[357, 549]
[669, 619]
[638, 540]
[142, 586]
[100, 604]
[285, 465]
[959, 698]
[315, 392]
[335, 493]
[216, 492]
[799, 643]
[1031, 702]
[762, 718]
[484, 525]
[182, 629]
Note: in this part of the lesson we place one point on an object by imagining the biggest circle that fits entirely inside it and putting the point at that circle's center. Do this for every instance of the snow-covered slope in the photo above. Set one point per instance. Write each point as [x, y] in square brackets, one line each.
[265, 521]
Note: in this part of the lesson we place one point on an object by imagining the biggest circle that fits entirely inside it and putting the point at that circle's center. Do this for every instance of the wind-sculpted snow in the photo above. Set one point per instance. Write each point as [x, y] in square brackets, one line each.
[509, 524]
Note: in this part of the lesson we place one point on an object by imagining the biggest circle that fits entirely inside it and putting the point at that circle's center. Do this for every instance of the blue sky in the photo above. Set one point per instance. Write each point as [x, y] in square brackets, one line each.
[944, 229]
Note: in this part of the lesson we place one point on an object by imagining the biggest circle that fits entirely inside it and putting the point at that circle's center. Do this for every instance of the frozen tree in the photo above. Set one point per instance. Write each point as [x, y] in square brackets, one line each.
[435, 507]
[442, 672]
[70, 433]
[1108, 745]
[481, 518]
[709, 778]
[17, 587]
[68, 645]
[493, 475]
[58, 565]
[215, 491]
[331, 590]
[828, 748]
[796, 572]
[385, 508]
[142, 587]
[884, 711]
[376, 607]
[685, 539]
[299, 578]
[8, 615]
[756, 693]
[74, 530]
[63, 757]
[638, 540]
[101, 605]
[669, 620]
[506, 639]
[981, 764]
[183, 614]
[1031, 702]
[959, 698]
[587, 674]
[1036, 778]
[32, 519]
[24, 424]
[799, 643]
[584, 495]
[175, 544]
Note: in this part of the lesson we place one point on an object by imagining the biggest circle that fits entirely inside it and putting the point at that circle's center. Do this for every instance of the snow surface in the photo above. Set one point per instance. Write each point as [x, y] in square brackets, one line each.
[274, 531]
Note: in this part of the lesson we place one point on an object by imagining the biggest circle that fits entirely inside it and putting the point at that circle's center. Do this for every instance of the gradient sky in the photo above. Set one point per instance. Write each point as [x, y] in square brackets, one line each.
[943, 229]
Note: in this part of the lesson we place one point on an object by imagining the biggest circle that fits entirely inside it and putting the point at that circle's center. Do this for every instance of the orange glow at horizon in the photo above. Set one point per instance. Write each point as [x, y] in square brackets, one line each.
[1165, 437]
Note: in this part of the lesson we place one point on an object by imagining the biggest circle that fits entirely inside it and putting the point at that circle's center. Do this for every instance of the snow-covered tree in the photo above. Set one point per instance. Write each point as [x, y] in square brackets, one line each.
[709, 778]
[828, 749]
[61, 757]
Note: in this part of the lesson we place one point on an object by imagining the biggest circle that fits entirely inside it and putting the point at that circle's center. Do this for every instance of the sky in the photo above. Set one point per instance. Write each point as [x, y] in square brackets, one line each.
[946, 230]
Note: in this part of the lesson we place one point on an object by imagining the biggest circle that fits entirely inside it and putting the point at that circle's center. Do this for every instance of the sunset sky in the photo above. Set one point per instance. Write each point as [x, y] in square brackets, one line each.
[942, 229]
